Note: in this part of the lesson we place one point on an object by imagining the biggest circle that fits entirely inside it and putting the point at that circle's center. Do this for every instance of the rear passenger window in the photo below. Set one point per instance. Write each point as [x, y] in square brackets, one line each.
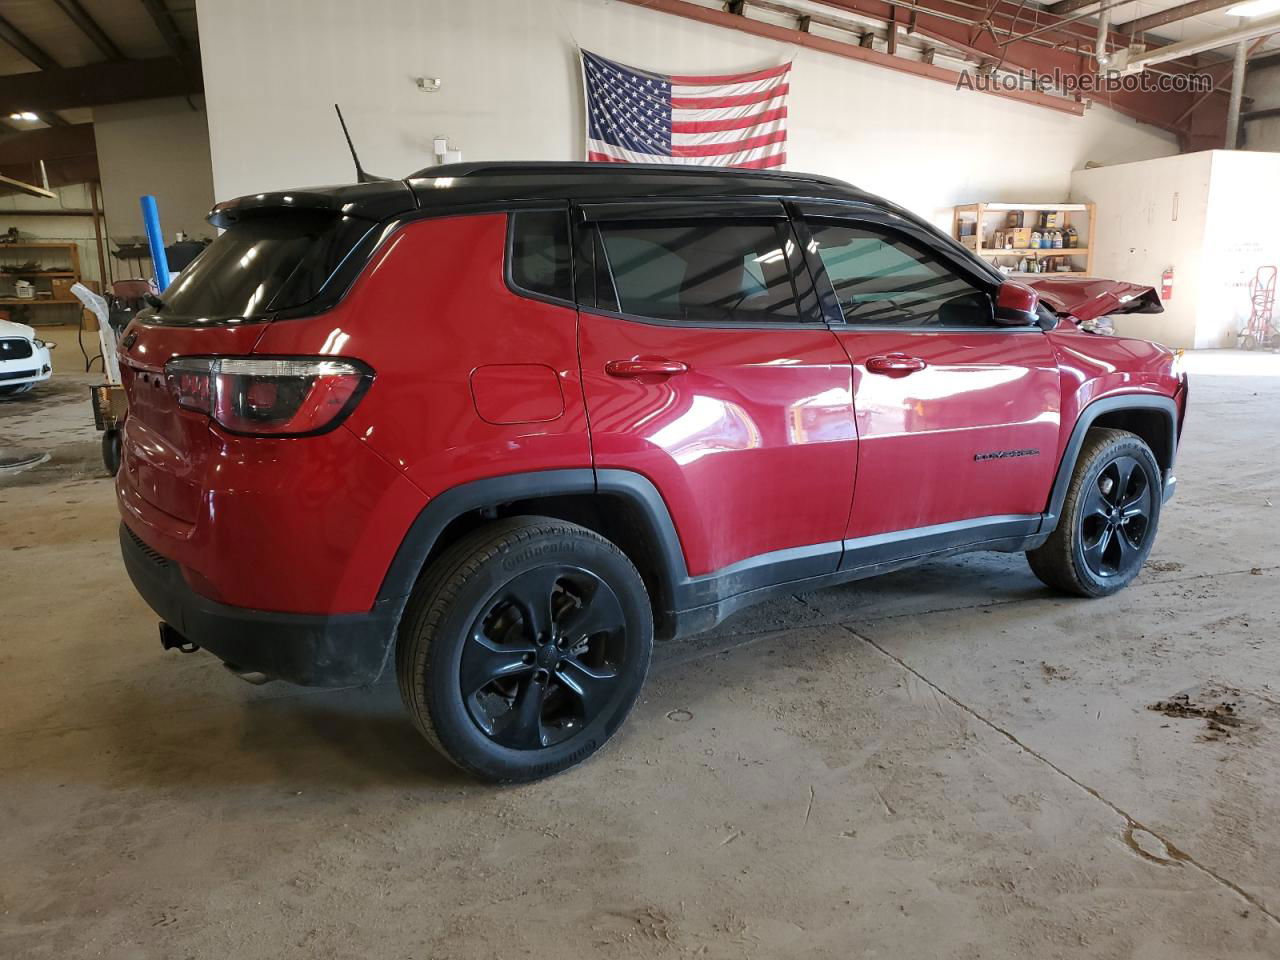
[540, 254]
[703, 271]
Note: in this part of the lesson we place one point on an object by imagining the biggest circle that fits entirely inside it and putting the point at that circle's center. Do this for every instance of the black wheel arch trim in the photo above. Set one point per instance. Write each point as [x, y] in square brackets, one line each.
[448, 506]
[1088, 416]
[445, 507]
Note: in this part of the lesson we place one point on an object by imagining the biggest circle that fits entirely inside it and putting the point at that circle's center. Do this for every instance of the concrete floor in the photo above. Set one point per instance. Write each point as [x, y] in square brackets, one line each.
[948, 762]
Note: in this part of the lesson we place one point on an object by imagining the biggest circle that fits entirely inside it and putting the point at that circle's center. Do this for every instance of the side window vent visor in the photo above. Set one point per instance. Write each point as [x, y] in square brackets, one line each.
[683, 210]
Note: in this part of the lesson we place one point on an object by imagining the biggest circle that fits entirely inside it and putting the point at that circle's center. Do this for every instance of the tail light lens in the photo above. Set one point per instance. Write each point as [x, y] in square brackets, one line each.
[269, 396]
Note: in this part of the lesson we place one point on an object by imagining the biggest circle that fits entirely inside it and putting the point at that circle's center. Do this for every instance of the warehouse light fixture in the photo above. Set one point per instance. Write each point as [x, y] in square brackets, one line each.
[23, 115]
[1254, 8]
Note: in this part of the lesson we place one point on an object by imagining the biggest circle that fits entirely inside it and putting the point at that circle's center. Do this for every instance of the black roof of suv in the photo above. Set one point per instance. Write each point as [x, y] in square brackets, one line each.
[476, 185]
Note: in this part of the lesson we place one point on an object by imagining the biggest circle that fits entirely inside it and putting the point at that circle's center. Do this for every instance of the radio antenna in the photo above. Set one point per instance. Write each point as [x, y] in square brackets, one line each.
[362, 176]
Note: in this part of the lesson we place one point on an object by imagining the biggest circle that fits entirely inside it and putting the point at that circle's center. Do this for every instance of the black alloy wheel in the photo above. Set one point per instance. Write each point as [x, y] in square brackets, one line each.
[524, 647]
[543, 658]
[1108, 519]
[1116, 517]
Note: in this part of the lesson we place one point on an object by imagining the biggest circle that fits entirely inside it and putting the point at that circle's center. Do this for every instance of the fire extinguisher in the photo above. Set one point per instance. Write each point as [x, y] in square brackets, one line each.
[1166, 284]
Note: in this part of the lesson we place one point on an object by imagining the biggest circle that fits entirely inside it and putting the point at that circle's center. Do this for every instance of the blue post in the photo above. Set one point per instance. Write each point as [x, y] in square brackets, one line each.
[155, 238]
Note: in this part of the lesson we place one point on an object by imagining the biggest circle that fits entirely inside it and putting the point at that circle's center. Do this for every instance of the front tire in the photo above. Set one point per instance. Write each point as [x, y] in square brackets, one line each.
[1109, 518]
[524, 647]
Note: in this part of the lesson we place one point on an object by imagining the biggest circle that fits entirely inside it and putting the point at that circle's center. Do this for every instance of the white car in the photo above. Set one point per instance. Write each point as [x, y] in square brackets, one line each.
[24, 358]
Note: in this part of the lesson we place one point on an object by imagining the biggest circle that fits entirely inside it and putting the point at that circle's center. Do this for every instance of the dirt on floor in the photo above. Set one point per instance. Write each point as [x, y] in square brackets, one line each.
[952, 761]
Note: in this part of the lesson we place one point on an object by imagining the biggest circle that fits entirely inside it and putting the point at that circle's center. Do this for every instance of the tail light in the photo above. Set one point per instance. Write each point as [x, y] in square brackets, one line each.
[269, 396]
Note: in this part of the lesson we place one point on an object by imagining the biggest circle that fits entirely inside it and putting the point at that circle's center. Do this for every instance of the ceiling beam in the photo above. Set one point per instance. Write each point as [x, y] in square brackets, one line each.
[64, 154]
[851, 51]
[55, 143]
[59, 172]
[168, 28]
[1218, 80]
[1063, 7]
[1260, 114]
[950, 22]
[1002, 23]
[1129, 63]
[1181, 12]
[20, 42]
[97, 84]
[78, 15]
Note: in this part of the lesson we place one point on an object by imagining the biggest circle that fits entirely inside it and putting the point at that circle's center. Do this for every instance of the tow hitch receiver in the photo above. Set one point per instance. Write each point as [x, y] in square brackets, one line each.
[171, 639]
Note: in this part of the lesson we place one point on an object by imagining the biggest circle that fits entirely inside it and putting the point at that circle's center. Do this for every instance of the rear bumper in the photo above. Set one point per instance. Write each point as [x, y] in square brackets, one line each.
[309, 649]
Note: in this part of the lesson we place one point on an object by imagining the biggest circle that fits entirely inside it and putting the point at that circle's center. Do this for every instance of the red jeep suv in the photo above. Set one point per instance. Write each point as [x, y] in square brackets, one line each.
[500, 425]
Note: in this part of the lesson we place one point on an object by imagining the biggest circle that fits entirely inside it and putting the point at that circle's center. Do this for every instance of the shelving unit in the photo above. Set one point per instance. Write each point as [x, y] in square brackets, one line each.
[987, 218]
[65, 253]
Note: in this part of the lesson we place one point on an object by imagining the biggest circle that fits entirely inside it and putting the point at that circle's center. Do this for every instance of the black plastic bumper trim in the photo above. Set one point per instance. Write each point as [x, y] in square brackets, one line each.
[309, 649]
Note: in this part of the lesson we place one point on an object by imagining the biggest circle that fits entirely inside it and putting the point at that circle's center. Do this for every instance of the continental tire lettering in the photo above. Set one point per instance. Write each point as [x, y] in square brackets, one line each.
[573, 758]
[533, 553]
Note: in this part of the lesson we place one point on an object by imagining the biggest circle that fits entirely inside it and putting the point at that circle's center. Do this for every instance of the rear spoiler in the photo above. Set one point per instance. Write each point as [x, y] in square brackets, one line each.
[369, 201]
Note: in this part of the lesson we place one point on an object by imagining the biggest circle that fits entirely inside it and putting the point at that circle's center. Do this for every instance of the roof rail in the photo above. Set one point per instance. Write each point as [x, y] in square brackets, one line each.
[516, 168]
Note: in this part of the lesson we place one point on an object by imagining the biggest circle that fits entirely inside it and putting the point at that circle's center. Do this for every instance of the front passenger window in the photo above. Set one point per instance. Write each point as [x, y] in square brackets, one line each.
[881, 279]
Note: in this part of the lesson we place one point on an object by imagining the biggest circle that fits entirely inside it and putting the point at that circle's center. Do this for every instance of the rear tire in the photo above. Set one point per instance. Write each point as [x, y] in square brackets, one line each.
[524, 647]
[111, 451]
[1109, 518]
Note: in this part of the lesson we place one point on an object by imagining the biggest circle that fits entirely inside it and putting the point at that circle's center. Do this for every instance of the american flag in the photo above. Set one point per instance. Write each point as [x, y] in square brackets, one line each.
[734, 120]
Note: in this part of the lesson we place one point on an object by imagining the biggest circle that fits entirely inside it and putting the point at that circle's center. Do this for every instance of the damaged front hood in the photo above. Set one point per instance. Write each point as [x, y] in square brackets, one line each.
[1086, 298]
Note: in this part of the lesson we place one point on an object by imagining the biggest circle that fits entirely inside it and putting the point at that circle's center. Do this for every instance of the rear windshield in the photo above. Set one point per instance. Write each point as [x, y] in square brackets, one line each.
[262, 265]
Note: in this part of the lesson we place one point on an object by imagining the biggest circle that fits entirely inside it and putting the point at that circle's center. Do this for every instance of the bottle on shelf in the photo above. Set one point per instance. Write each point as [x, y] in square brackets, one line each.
[1072, 237]
[1036, 239]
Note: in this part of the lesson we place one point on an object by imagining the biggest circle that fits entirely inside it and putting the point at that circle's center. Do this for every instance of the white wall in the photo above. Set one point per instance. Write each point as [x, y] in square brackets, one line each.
[159, 147]
[1240, 236]
[1151, 216]
[1211, 216]
[512, 90]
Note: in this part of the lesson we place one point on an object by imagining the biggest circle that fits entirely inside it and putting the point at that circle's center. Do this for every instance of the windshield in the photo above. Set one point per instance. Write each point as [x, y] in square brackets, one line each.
[261, 265]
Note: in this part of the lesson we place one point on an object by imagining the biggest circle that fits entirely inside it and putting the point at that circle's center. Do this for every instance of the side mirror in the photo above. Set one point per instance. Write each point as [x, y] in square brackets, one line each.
[967, 310]
[1016, 305]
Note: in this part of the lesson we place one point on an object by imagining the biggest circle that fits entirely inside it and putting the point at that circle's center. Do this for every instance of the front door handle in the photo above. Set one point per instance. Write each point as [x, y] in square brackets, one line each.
[645, 367]
[895, 364]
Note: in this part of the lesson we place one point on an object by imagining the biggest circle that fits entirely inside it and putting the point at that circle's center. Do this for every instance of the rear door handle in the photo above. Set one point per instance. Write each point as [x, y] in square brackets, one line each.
[645, 367]
[895, 364]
